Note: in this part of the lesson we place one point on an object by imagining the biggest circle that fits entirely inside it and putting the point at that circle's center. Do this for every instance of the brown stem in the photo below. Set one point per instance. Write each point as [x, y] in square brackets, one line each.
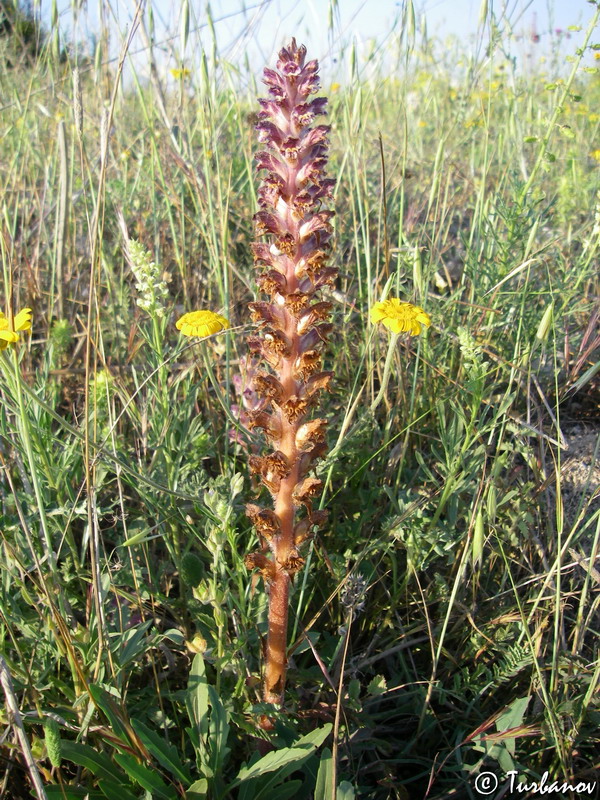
[277, 637]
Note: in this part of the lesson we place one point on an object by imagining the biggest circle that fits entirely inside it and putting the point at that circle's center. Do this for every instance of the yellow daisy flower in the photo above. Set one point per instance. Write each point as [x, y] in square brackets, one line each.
[201, 323]
[8, 334]
[400, 317]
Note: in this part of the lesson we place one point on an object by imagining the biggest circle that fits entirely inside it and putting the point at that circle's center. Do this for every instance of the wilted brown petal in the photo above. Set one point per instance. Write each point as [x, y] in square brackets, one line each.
[268, 422]
[307, 364]
[317, 382]
[264, 520]
[293, 563]
[294, 408]
[272, 283]
[308, 489]
[268, 386]
[308, 459]
[267, 314]
[316, 313]
[261, 562]
[310, 433]
[296, 301]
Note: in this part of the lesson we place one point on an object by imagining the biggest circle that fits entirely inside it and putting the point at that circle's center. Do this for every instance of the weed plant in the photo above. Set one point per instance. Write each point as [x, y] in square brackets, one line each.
[447, 619]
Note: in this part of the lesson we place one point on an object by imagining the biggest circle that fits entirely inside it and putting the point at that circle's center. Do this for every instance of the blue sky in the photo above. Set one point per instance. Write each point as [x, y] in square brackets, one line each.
[257, 28]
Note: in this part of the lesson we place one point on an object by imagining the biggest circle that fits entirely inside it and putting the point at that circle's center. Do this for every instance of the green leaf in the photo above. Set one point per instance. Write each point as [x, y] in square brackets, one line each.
[512, 718]
[324, 785]
[354, 689]
[289, 789]
[197, 696]
[218, 731]
[345, 791]
[270, 762]
[248, 790]
[315, 738]
[115, 791]
[71, 793]
[146, 778]
[198, 790]
[130, 643]
[111, 710]
[166, 754]
[142, 536]
[98, 764]
[301, 750]
[377, 686]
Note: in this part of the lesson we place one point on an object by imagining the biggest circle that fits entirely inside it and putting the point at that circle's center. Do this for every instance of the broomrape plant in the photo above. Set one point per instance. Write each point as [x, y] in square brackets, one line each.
[284, 373]
[291, 331]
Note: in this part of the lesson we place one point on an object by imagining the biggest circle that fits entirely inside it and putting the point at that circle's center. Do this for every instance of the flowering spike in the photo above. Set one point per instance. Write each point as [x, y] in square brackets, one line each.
[291, 329]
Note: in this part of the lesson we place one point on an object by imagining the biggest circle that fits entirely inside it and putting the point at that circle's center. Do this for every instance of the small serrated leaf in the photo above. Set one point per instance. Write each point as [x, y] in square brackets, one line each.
[378, 685]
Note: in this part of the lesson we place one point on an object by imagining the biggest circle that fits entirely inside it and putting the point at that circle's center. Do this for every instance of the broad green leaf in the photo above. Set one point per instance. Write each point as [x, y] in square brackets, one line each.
[166, 754]
[249, 789]
[71, 793]
[197, 696]
[198, 790]
[98, 764]
[314, 738]
[512, 718]
[146, 778]
[280, 759]
[268, 782]
[270, 762]
[324, 785]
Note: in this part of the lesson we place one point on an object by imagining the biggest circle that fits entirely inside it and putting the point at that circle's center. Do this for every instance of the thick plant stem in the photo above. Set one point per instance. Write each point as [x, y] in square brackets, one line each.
[276, 661]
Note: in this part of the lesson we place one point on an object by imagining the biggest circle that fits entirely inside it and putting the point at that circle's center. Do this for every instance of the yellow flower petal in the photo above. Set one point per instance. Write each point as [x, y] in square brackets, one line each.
[201, 323]
[399, 317]
[23, 320]
[8, 334]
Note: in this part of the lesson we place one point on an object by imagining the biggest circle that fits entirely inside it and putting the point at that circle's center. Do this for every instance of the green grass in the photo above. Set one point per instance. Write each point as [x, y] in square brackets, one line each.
[452, 596]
